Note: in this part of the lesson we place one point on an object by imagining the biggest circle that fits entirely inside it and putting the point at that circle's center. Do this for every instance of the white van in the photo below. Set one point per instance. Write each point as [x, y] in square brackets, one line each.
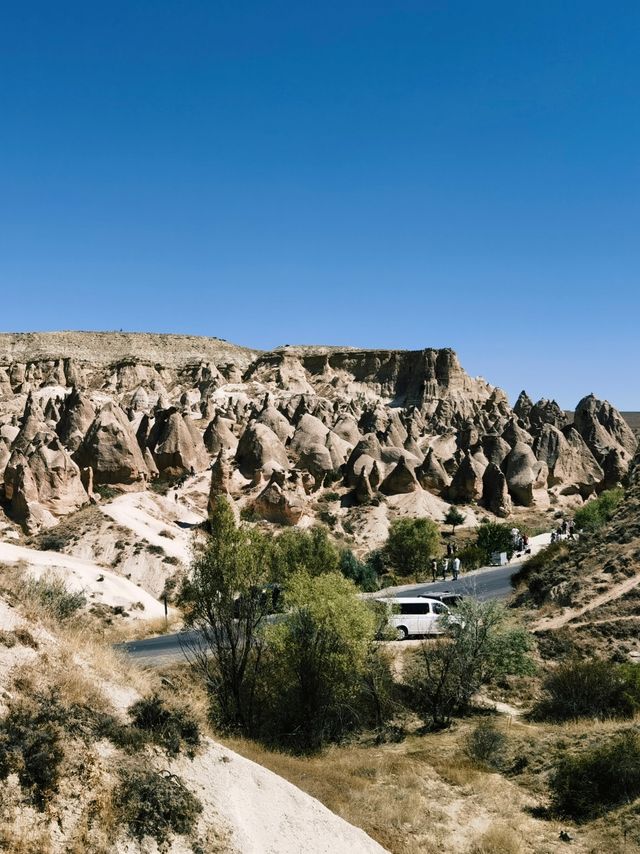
[415, 616]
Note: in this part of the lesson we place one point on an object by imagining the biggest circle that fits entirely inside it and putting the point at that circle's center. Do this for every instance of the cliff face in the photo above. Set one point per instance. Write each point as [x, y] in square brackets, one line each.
[124, 409]
[400, 378]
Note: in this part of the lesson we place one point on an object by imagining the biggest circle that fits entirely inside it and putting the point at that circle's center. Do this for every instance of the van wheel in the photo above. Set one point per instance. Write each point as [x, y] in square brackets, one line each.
[401, 633]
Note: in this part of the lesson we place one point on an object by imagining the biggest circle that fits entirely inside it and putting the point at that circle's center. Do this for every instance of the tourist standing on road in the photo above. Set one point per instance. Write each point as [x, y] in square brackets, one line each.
[434, 569]
[456, 568]
[445, 567]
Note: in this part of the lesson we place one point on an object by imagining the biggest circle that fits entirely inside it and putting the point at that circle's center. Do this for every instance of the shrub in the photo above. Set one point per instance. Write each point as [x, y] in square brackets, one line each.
[481, 646]
[318, 656]
[589, 689]
[52, 542]
[170, 728]
[248, 514]
[107, 493]
[592, 782]
[411, 545]
[327, 517]
[494, 537]
[486, 744]
[53, 595]
[542, 571]
[595, 514]
[309, 551]
[363, 574]
[31, 747]
[153, 549]
[155, 805]
[471, 557]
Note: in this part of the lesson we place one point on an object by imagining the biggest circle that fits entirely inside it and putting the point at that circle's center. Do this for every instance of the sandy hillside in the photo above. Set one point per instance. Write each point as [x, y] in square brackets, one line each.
[246, 808]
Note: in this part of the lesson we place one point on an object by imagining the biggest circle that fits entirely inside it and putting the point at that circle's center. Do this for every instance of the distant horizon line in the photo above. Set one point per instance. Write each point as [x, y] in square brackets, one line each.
[279, 347]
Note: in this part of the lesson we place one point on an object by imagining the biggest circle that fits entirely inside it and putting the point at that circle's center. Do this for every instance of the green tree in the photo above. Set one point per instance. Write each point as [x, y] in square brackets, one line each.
[454, 518]
[310, 551]
[494, 537]
[362, 573]
[225, 603]
[318, 660]
[411, 545]
[480, 646]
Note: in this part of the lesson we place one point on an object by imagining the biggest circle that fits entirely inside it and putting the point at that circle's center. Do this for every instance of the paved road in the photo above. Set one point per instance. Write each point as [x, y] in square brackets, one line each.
[486, 584]
[163, 649]
[483, 584]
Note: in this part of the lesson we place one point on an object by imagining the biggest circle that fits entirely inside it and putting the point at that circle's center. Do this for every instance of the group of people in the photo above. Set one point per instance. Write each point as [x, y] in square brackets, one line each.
[520, 540]
[451, 561]
[564, 530]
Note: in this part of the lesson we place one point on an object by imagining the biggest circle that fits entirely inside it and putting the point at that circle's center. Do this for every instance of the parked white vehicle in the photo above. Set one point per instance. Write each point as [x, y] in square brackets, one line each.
[412, 616]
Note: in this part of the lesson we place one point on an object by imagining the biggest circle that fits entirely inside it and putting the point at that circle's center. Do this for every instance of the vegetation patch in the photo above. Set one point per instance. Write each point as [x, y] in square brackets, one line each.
[173, 729]
[154, 805]
[597, 780]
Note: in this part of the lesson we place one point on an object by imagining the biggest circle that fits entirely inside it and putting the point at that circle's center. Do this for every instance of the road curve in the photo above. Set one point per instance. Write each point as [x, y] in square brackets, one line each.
[482, 584]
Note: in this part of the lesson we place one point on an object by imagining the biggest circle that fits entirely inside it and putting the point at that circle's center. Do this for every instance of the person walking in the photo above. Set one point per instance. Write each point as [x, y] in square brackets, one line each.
[456, 568]
[449, 550]
[445, 567]
[434, 570]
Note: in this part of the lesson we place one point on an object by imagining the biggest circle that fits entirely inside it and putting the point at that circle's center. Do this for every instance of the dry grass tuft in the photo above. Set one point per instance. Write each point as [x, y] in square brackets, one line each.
[498, 839]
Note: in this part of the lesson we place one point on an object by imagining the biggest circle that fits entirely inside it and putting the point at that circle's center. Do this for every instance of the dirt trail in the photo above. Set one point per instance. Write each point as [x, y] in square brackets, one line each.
[615, 592]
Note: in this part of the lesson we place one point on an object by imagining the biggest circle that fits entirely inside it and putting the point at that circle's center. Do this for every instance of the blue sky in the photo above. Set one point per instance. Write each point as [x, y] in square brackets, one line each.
[379, 174]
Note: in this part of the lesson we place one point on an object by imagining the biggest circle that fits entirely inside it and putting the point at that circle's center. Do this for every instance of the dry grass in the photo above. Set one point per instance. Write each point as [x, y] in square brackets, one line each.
[24, 840]
[403, 795]
[498, 839]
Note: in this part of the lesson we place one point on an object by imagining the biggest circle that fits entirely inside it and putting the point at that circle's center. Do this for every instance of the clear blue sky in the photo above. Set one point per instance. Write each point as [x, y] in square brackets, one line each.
[379, 174]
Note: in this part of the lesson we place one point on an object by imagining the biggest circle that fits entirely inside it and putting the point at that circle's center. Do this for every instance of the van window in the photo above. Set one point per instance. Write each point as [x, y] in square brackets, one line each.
[439, 608]
[414, 608]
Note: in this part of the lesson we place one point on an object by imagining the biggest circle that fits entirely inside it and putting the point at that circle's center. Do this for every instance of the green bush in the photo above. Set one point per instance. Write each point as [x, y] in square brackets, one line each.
[411, 545]
[52, 542]
[485, 743]
[155, 805]
[471, 557]
[595, 514]
[589, 689]
[107, 493]
[494, 537]
[542, 571]
[480, 647]
[317, 659]
[597, 780]
[361, 573]
[171, 728]
[310, 551]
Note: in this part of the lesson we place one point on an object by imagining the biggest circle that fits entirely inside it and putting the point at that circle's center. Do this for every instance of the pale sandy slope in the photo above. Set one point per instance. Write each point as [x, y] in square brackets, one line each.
[265, 813]
[98, 584]
[256, 811]
[147, 516]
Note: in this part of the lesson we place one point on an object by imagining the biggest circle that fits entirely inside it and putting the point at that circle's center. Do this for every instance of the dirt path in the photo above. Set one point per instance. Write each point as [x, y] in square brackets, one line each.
[615, 592]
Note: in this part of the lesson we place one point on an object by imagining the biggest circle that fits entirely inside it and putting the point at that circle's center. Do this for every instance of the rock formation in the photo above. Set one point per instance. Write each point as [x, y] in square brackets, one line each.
[111, 449]
[281, 427]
